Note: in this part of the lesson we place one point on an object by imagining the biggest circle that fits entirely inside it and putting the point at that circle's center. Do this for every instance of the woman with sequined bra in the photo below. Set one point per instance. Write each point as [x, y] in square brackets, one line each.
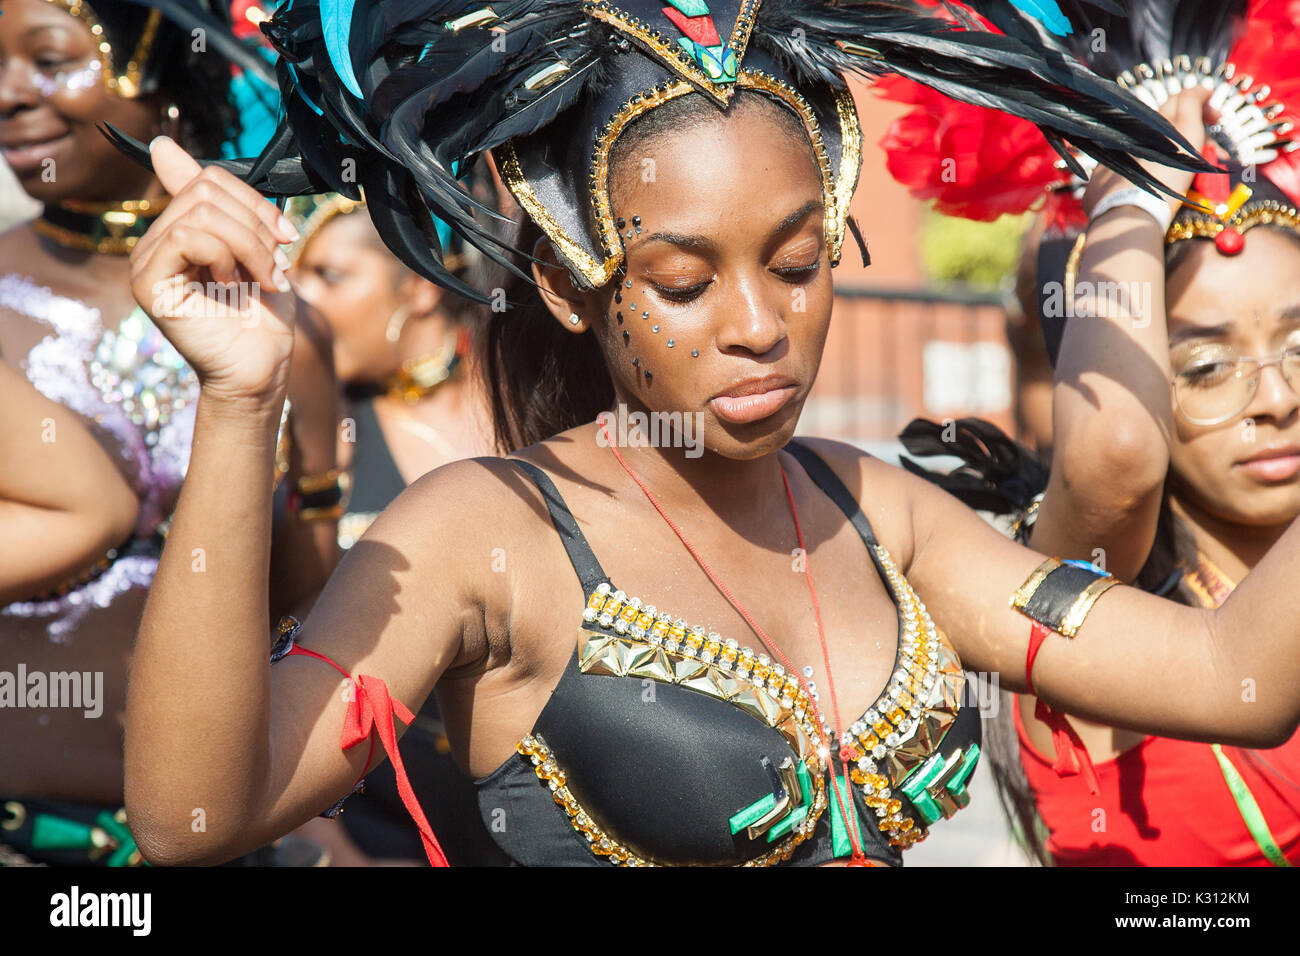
[1176, 458]
[781, 680]
[401, 347]
[97, 409]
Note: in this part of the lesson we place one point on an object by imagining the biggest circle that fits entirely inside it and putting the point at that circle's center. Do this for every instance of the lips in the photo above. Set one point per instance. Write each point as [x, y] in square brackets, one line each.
[26, 153]
[1272, 465]
[754, 399]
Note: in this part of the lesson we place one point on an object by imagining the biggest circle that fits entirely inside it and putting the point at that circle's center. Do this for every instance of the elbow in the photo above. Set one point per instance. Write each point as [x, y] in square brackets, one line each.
[180, 838]
[1266, 730]
[1117, 467]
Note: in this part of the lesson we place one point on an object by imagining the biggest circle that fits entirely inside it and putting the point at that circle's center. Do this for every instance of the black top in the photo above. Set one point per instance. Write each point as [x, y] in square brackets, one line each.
[654, 739]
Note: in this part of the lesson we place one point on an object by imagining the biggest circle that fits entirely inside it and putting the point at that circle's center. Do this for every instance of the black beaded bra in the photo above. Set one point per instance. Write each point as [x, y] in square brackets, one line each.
[666, 745]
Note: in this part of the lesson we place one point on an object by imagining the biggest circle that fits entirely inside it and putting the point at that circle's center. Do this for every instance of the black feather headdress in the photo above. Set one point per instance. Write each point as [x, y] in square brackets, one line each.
[398, 97]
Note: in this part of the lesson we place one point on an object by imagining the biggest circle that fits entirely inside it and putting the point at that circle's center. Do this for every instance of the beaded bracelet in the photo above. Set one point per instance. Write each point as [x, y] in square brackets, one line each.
[322, 497]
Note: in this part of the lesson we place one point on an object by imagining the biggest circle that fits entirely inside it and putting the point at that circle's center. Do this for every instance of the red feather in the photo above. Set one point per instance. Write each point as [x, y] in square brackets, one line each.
[973, 162]
[1269, 50]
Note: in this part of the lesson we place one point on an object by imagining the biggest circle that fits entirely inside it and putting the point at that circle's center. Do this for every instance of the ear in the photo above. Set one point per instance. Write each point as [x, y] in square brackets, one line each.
[572, 307]
[420, 294]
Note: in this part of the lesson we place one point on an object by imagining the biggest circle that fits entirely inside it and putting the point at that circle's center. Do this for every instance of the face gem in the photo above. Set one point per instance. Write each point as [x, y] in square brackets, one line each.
[648, 376]
[695, 353]
[636, 363]
[646, 315]
[618, 296]
[633, 307]
[621, 223]
[636, 221]
[626, 337]
[671, 343]
[628, 283]
[654, 328]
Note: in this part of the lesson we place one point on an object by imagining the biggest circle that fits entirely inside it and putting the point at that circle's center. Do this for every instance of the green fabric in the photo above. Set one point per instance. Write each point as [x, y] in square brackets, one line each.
[957, 785]
[752, 813]
[1249, 809]
[915, 784]
[841, 845]
[692, 8]
[55, 833]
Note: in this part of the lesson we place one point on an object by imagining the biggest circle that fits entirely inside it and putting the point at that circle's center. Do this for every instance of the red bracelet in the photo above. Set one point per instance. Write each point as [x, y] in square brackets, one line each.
[1072, 755]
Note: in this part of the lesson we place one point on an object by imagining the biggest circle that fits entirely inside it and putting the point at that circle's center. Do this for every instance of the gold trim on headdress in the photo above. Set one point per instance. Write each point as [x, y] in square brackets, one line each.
[311, 215]
[1268, 212]
[670, 54]
[837, 190]
[126, 83]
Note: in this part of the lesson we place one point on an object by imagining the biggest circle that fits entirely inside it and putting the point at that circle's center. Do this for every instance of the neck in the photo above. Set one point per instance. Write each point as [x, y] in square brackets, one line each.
[1234, 548]
[100, 227]
[738, 491]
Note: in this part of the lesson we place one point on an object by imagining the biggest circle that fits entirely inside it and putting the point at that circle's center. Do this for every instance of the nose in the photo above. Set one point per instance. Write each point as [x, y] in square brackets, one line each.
[17, 91]
[753, 322]
[1275, 398]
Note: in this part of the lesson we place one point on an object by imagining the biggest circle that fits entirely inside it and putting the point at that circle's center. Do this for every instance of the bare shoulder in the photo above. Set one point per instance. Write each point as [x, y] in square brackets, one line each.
[885, 492]
[484, 499]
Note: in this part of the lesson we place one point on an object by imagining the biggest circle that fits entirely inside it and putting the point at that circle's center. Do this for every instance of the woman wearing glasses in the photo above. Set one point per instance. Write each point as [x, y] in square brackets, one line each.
[1176, 464]
[1176, 445]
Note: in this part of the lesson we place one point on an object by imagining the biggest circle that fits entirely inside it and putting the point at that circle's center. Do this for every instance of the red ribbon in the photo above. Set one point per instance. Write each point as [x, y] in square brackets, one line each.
[1072, 755]
[372, 709]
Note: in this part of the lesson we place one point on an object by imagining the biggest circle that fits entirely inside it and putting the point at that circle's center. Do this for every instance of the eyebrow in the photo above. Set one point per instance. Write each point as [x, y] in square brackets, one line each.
[1200, 332]
[703, 242]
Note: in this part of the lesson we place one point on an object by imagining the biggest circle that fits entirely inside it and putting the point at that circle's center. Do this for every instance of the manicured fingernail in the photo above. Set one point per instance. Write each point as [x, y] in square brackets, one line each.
[156, 140]
[281, 280]
[287, 228]
[281, 259]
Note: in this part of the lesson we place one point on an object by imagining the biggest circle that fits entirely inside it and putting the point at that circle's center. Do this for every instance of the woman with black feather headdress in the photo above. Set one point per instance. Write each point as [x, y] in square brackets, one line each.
[686, 172]
[96, 410]
[1176, 455]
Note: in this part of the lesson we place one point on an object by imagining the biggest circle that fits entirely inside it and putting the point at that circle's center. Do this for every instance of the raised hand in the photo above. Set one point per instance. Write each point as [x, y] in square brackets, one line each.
[1188, 112]
[210, 272]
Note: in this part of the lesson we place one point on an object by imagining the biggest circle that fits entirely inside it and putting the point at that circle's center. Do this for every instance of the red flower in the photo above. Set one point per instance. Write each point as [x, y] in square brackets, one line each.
[973, 162]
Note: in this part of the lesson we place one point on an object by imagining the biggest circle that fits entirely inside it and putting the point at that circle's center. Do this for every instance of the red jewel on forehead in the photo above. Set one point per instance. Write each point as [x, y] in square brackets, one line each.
[1230, 241]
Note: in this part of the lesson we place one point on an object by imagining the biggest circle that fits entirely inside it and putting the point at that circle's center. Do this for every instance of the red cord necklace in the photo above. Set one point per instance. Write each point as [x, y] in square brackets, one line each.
[859, 858]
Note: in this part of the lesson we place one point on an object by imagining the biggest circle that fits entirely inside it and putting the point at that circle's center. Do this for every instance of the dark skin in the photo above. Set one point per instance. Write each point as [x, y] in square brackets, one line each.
[65, 503]
[419, 602]
[347, 274]
[1120, 437]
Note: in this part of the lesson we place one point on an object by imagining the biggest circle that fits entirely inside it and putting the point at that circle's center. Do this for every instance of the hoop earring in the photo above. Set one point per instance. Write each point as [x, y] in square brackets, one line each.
[395, 323]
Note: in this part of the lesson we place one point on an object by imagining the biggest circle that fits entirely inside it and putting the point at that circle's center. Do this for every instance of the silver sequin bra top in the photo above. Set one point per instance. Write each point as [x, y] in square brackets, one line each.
[137, 393]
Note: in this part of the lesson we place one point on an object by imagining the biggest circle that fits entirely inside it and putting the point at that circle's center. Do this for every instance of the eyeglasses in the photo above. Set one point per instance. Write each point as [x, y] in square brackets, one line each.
[1216, 389]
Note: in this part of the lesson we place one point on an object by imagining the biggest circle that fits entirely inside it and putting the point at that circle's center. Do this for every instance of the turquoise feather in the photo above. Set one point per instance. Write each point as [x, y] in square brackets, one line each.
[1047, 13]
[336, 21]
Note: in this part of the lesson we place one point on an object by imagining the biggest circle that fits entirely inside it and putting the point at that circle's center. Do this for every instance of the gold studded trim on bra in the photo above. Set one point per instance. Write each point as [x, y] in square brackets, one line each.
[903, 730]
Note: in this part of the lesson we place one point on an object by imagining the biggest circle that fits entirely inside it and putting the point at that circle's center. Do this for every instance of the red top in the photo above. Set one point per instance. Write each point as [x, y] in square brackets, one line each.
[1165, 803]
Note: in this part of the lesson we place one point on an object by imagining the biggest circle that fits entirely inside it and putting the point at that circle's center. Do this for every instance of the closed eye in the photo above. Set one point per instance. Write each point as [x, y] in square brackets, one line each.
[682, 294]
[798, 274]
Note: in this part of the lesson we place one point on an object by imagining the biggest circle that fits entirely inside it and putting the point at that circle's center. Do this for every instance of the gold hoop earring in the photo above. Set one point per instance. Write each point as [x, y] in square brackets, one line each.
[395, 323]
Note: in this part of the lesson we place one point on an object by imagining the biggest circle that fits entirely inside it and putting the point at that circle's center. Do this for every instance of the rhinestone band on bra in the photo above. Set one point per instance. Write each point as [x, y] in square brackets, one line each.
[896, 737]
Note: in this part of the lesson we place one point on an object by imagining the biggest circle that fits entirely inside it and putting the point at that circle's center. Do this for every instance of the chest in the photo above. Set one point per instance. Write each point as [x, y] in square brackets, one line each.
[117, 372]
